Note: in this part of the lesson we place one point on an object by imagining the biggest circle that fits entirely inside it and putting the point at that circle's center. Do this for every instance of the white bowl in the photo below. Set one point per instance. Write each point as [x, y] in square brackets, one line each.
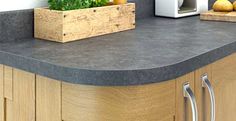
[180, 3]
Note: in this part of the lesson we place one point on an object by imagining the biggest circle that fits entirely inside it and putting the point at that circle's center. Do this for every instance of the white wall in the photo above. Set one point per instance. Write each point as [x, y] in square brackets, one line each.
[9, 5]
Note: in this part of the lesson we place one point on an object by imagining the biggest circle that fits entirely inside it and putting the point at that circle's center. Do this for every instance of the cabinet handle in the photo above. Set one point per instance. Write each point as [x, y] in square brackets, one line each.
[207, 84]
[188, 93]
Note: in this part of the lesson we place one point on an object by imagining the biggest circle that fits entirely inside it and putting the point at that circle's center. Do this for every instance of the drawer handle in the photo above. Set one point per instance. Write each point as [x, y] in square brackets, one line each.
[207, 84]
[188, 93]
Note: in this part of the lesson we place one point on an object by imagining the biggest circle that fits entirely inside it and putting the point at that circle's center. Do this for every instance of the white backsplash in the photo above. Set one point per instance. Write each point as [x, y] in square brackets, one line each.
[9, 5]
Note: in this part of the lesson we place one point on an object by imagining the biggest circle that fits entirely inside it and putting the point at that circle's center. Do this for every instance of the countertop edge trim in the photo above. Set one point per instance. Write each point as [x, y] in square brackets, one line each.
[116, 78]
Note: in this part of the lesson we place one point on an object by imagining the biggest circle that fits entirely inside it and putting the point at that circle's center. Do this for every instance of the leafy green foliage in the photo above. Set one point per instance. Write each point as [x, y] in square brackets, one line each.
[75, 4]
[99, 3]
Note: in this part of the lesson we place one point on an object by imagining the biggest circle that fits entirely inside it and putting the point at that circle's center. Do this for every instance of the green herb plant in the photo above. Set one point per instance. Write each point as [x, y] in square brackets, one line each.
[64, 5]
[99, 3]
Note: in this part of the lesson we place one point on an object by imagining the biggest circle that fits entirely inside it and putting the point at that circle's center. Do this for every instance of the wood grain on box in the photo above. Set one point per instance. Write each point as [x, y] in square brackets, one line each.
[219, 16]
[65, 26]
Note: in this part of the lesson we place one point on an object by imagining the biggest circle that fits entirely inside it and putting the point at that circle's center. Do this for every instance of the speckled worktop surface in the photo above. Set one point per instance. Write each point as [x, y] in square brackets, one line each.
[159, 49]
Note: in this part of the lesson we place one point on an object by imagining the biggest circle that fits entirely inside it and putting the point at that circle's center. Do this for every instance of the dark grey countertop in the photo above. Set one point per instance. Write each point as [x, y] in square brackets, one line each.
[159, 49]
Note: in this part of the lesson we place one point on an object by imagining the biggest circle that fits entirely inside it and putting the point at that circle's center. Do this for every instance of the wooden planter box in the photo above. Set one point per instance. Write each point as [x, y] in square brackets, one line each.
[66, 26]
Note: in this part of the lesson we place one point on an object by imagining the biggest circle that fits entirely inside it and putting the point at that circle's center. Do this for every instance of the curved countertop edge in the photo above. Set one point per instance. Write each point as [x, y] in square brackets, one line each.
[119, 77]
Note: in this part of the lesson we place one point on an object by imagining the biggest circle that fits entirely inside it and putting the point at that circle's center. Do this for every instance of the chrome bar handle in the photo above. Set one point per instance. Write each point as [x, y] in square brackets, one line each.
[188, 93]
[207, 84]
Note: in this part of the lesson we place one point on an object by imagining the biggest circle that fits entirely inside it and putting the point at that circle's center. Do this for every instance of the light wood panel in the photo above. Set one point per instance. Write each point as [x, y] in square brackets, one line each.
[183, 107]
[155, 102]
[48, 102]
[73, 25]
[9, 110]
[2, 104]
[219, 16]
[8, 82]
[202, 94]
[22, 107]
[224, 83]
[1, 81]
[2, 109]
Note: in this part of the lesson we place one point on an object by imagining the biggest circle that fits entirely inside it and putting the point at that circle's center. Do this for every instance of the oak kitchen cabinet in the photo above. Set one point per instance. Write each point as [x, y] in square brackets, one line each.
[222, 76]
[30, 97]
[26, 96]
[220, 105]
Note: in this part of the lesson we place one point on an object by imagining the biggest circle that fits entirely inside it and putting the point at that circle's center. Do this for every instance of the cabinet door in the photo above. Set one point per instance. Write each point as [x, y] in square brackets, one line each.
[20, 104]
[153, 102]
[224, 84]
[202, 94]
[183, 106]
